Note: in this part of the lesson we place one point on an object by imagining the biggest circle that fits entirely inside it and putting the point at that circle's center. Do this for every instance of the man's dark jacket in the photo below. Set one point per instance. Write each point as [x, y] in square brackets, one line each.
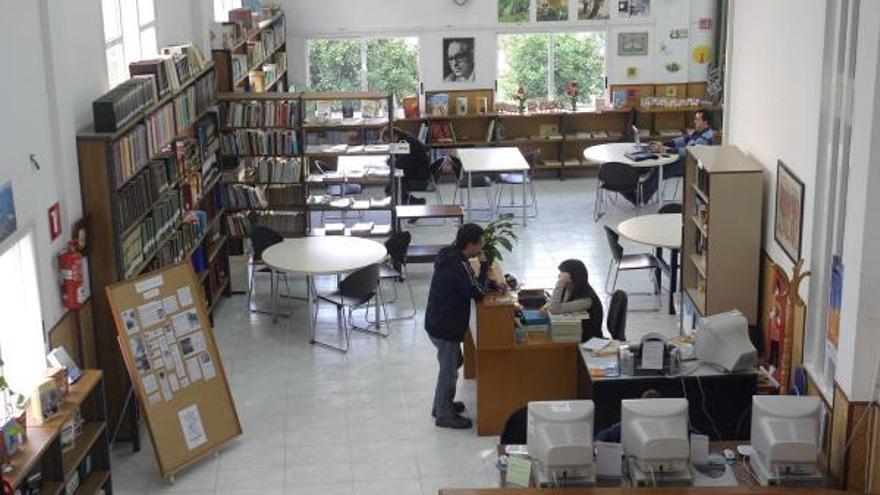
[453, 286]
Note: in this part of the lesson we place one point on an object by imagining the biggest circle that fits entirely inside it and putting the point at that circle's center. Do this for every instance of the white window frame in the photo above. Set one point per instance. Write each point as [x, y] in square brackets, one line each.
[222, 8]
[551, 52]
[130, 39]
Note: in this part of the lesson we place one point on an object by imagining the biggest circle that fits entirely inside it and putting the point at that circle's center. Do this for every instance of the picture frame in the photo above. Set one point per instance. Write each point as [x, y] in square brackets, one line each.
[789, 222]
[633, 44]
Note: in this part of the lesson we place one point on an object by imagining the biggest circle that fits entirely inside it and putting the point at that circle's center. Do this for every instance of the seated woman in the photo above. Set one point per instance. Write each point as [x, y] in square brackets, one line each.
[573, 293]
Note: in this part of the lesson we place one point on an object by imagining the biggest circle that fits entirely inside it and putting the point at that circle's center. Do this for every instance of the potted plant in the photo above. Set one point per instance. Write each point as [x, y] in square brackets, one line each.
[521, 99]
[14, 405]
[572, 91]
[498, 235]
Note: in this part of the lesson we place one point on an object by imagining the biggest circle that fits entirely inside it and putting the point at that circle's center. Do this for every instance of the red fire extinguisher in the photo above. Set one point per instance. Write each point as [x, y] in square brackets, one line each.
[73, 293]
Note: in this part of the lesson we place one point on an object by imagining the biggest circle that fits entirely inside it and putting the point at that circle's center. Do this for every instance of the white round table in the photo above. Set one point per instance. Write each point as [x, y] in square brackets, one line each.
[614, 152]
[325, 255]
[661, 231]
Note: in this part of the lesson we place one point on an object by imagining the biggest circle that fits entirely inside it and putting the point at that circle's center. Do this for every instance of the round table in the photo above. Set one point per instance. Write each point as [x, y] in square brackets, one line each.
[327, 255]
[614, 152]
[661, 231]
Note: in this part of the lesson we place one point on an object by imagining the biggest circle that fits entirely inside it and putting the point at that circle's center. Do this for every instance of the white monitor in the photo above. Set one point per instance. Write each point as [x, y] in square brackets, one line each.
[785, 438]
[723, 341]
[560, 436]
[654, 433]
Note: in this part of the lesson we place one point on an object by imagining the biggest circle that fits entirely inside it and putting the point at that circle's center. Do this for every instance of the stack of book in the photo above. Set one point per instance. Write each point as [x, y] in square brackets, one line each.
[163, 69]
[164, 173]
[284, 196]
[160, 128]
[270, 113]
[240, 196]
[274, 170]
[141, 241]
[123, 103]
[195, 60]
[130, 153]
[225, 35]
[566, 327]
[135, 199]
[255, 142]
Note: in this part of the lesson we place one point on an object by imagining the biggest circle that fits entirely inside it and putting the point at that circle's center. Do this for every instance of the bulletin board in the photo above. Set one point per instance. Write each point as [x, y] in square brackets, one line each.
[168, 346]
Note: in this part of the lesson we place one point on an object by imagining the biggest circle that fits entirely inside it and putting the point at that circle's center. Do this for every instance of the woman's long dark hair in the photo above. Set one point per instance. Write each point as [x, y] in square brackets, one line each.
[579, 278]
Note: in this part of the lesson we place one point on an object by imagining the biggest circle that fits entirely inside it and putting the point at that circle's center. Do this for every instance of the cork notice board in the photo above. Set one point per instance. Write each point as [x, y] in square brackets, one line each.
[168, 346]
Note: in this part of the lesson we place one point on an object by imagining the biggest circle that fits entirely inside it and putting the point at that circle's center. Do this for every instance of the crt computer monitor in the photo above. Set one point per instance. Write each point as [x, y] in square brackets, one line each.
[785, 436]
[723, 341]
[560, 433]
[654, 433]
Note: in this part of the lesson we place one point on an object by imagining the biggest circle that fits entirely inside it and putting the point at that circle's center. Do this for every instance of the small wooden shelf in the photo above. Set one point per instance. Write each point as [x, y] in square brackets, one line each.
[699, 261]
[29, 453]
[700, 193]
[702, 228]
[92, 431]
[93, 483]
[699, 298]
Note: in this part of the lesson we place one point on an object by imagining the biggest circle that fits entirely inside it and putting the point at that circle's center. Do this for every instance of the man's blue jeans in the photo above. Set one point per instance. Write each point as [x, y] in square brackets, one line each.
[449, 358]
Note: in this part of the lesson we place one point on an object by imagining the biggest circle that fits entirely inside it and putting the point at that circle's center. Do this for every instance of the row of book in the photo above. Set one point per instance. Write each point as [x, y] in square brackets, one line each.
[160, 127]
[122, 103]
[286, 223]
[136, 198]
[703, 180]
[140, 242]
[254, 142]
[206, 134]
[178, 245]
[270, 39]
[130, 153]
[283, 196]
[238, 196]
[272, 169]
[272, 113]
[195, 100]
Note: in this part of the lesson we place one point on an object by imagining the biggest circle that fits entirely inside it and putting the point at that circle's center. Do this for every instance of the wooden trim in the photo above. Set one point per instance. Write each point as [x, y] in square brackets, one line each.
[849, 467]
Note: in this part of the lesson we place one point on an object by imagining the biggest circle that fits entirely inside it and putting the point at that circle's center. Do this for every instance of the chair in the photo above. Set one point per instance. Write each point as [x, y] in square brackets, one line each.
[617, 178]
[617, 315]
[354, 291]
[261, 239]
[394, 268]
[478, 181]
[626, 262]
[670, 208]
[516, 428]
[512, 179]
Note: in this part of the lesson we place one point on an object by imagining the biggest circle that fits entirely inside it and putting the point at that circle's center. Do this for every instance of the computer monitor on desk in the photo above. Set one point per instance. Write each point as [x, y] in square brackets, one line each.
[723, 341]
[654, 433]
[560, 441]
[785, 440]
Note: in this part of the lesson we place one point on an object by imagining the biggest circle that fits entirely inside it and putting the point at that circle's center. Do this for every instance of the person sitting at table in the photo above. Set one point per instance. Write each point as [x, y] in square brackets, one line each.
[573, 294]
[416, 166]
[703, 134]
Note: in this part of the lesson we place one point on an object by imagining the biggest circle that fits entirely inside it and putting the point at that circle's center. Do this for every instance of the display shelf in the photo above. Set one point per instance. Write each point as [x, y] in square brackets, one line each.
[92, 431]
[93, 483]
[700, 226]
[699, 261]
[700, 193]
[29, 454]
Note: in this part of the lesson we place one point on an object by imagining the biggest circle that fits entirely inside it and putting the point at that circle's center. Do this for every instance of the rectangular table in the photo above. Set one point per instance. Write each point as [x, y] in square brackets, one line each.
[717, 401]
[493, 160]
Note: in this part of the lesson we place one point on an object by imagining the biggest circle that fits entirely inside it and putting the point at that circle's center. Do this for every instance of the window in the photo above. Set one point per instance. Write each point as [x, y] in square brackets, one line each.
[389, 65]
[544, 63]
[129, 35]
[22, 346]
[222, 8]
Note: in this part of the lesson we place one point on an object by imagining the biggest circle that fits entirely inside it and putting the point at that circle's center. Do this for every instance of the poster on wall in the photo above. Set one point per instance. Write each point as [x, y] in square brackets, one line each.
[777, 322]
[591, 10]
[8, 222]
[632, 44]
[513, 10]
[458, 57]
[552, 10]
[633, 9]
[789, 211]
[835, 297]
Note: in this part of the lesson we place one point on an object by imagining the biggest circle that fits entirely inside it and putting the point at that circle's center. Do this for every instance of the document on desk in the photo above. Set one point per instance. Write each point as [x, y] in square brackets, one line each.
[609, 459]
[519, 471]
[595, 343]
[700, 449]
[652, 354]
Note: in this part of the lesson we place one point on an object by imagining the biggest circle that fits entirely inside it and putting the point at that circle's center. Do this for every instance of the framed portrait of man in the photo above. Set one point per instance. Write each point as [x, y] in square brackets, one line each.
[458, 59]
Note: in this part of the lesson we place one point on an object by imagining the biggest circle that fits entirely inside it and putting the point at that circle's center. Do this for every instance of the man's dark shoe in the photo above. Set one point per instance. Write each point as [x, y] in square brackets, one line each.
[457, 408]
[455, 422]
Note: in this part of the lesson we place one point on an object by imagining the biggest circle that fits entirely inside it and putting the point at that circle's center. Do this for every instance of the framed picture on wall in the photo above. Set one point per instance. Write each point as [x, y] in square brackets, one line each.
[552, 10]
[788, 229]
[8, 222]
[458, 59]
[593, 10]
[513, 11]
[632, 44]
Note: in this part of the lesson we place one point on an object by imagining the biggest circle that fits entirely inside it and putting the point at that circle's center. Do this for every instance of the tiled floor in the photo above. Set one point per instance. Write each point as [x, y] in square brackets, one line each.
[320, 422]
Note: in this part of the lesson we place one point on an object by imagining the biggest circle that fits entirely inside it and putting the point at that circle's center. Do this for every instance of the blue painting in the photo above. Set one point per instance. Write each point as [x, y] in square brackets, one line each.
[7, 211]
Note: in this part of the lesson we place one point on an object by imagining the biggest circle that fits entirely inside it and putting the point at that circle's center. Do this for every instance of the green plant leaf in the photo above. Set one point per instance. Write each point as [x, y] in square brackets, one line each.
[506, 243]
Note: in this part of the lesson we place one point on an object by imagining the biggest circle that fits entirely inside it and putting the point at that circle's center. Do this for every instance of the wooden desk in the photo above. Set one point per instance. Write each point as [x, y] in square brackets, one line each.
[724, 490]
[510, 374]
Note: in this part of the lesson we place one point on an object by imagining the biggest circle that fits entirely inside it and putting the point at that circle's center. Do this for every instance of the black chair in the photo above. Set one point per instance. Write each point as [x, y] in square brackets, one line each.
[617, 315]
[516, 428]
[514, 179]
[354, 291]
[261, 239]
[670, 208]
[394, 268]
[626, 262]
[617, 178]
[478, 181]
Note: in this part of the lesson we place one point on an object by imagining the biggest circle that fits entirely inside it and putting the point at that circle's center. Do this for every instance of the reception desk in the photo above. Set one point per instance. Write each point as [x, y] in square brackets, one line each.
[510, 374]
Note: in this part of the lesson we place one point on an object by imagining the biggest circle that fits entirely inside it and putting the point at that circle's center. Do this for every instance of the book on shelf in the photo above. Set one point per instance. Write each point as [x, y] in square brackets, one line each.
[118, 106]
[411, 107]
[442, 132]
[286, 223]
[161, 68]
[160, 127]
[130, 153]
[361, 204]
[240, 67]
[284, 196]
[490, 131]
[257, 142]
[257, 81]
[438, 104]
[195, 60]
[346, 202]
[461, 105]
[423, 133]
[362, 228]
[243, 17]
[335, 228]
[238, 196]
[381, 229]
[380, 202]
[271, 113]
[273, 169]
[225, 35]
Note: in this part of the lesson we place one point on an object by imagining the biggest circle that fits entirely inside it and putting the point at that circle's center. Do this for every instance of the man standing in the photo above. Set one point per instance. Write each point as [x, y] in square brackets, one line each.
[448, 315]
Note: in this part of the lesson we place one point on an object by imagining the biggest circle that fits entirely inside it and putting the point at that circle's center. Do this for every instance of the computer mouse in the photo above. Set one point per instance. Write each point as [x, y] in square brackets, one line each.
[729, 455]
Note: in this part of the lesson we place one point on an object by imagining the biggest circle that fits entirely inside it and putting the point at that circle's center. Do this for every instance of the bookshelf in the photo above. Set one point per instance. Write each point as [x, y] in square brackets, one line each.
[560, 136]
[151, 199]
[722, 230]
[253, 60]
[88, 459]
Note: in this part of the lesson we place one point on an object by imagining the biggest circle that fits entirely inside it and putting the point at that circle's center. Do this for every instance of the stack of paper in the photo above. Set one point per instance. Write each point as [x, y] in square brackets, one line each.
[566, 327]
[334, 229]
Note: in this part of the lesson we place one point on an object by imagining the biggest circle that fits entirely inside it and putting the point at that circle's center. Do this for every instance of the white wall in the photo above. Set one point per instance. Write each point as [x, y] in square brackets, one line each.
[432, 20]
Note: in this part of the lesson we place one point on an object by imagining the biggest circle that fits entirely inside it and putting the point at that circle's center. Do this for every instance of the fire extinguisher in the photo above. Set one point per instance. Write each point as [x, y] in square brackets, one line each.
[73, 293]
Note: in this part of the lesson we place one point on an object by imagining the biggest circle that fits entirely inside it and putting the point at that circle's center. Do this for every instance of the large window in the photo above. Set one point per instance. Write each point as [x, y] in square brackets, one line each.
[129, 35]
[22, 346]
[543, 63]
[222, 8]
[389, 65]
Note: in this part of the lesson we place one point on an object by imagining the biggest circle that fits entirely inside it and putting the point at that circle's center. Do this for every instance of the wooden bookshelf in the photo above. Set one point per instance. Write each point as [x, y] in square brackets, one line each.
[196, 161]
[272, 32]
[722, 231]
[42, 451]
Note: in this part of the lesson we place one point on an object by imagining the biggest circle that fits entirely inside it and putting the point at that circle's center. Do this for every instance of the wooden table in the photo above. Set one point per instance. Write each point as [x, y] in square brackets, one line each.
[331, 255]
[510, 374]
[614, 152]
[661, 231]
[493, 160]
